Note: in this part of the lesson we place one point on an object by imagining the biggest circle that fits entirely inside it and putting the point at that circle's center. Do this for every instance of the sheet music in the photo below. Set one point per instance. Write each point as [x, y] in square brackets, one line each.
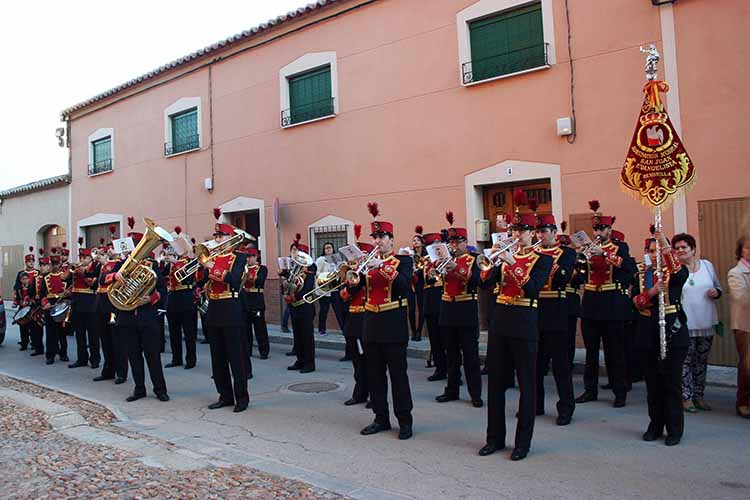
[285, 263]
[351, 253]
[438, 251]
[580, 238]
[498, 237]
[123, 245]
[181, 245]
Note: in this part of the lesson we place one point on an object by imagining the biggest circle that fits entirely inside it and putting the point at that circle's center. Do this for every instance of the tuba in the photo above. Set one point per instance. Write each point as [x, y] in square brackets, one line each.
[139, 278]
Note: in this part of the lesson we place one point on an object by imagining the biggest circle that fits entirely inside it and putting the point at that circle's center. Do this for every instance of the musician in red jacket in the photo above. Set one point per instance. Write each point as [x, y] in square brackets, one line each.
[84, 309]
[53, 288]
[29, 261]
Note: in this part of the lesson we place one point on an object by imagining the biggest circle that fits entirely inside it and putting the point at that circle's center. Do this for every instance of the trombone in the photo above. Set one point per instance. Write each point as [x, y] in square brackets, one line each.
[353, 275]
[328, 282]
[208, 250]
[486, 262]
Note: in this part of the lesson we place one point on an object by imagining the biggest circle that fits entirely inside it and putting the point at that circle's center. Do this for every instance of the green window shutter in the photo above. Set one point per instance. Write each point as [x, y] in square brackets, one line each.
[310, 95]
[102, 156]
[184, 131]
[507, 42]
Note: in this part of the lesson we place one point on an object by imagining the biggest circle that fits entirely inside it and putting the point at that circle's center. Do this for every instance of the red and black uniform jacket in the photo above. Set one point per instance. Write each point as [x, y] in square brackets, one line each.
[516, 309]
[605, 277]
[222, 285]
[32, 278]
[433, 290]
[84, 289]
[553, 300]
[180, 297]
[253, 298]
[355, 297]
[52, 287]
[142, 316]
[459, 300]
[647, 333]
[103, 305]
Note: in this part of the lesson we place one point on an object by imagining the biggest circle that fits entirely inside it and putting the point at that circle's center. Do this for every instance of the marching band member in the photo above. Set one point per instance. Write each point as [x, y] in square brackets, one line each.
[24, 296]
[140, 330]
[84, 309]
[663, 377]
[355, 297]
[302, 312]
[553, 321]
[254, 302]
[385, 332]
[181, 310]
[432, 298]
[607, 272]
[53, 288]
[113, 346]
[325, 264]
[416, 294]
[28, 270]
[459, 318]
[224, 320]
[513, 341]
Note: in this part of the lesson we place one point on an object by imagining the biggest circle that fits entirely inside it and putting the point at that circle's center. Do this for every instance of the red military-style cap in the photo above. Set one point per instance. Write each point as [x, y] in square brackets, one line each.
[137, 237]
[598, 219]
[302, 247]
[457, 233]
[546, 221]
[84, 252]
[618, 235]
[524, 221]
[378, 226]
[223, 229]
[430, 238]
[44, 261]
[55, 259]
[365, 247]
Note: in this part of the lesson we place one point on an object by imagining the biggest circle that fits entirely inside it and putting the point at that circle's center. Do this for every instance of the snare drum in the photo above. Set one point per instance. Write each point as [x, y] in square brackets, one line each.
[59, 311]
[22, 316]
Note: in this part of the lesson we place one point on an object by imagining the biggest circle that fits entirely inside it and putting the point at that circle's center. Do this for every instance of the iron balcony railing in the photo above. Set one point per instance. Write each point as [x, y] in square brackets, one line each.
[183, 144]
[307, 112]
[514, 61]
[100, 166]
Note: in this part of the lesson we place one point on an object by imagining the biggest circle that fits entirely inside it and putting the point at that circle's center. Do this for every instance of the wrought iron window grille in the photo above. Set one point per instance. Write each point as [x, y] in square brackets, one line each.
[185, 143]
[531, 57]
[307, 112]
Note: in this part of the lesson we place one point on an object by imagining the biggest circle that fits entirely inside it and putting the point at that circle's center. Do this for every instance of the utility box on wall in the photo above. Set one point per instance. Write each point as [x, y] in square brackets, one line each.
[482, 228]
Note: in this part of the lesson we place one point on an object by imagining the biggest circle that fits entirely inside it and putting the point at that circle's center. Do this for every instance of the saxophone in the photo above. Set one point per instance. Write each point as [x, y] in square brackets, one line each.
[139, 278]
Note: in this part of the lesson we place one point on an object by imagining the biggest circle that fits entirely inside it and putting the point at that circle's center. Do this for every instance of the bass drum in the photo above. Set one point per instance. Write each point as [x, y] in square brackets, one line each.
[22, 316]
[59, 311]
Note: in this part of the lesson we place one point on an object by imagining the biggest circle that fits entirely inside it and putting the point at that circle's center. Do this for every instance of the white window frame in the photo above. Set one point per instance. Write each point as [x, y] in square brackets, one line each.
[246, 204]
[303, 64]
[97, 220]
[485, 8]
[177, 107]
[331, 220]
[97, 135]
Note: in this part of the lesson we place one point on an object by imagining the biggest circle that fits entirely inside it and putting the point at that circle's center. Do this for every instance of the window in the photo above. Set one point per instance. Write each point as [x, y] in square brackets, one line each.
[184, 132]
[320, 235]
[498, 38]
[310, 96]
[101, 156]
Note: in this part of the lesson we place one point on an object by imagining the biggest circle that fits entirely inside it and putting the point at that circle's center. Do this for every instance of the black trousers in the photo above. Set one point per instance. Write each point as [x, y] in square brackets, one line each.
[664, 390]
[390, 357]
[120, 345]
[415, 300]
[256, 327]
[304, 339]
[36, 332]
[115, 364]
[611, 333]
[633, 362]
[360, 391]
[25, 334]
[462, 342]
[572, 331]
[144, 342]
[182, 325]
[162, 333]
[554, 346]
[503, 354]
[87, 337]
[54, 339]
[229, 363]
[437, 346]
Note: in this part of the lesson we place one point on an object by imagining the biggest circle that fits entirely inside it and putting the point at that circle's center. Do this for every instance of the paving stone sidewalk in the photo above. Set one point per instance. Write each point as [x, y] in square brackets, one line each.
[56, 446]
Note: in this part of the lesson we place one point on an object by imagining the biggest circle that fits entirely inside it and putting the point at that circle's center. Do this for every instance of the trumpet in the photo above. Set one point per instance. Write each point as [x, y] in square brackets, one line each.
[486, 263]
[589, 248]
[208, 250]
[442, 267]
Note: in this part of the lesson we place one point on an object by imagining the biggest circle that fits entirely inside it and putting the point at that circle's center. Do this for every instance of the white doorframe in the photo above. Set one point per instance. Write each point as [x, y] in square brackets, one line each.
[96, 220]
[245, 204]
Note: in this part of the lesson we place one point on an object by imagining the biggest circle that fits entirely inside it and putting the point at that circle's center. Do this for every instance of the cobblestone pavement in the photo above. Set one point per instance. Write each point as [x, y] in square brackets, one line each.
[37, 462]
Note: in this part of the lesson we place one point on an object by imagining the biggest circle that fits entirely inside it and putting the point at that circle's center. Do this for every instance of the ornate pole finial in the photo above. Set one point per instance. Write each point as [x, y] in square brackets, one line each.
[652, 62]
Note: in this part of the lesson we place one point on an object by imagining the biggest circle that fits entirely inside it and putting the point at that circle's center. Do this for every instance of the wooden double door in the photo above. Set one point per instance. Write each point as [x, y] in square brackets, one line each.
[499, 199]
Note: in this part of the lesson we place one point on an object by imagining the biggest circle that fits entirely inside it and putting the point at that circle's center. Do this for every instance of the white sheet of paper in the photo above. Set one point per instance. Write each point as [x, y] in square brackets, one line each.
[285, 263]
[438, 251]
[498, 237]
[580, 238]
[182, 245]
[351, 253]
[123, 245]
[647, 260]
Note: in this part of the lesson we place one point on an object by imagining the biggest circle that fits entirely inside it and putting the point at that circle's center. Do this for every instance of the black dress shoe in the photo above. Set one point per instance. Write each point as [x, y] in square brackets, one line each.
[37, 353]
[77, 365]
[477, 403]
[49, 361]
[285, 329]
[120, 380]
[102, 377]
[374, 428]
[250, 377]
[405, 432]
[290, 353]
[619, 401]
[437, 376]
[64, 359]
[672, 440]
[586, 397]
[307, 369]
[369, 405]
[484, 371]
[94, 366]
[189, 366]
[264, 356]
[240, 407]
[652, 434]
[172, 364]
[563, 420]
[445, 397]
[205, 341]
[295, 366]
[345, 358]
[606, 387]
[539, 412]
[162, 396]
[219, 404]
[489, 449]
[352, 401]
[518, 454]
[23, 348]
[134, 397]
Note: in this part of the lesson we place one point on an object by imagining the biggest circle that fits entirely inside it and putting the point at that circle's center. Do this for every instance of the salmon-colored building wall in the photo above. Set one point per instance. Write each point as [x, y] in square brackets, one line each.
[408, 133]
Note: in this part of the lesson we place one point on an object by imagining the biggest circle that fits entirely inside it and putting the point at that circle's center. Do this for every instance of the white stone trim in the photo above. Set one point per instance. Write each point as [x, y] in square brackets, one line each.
[180, 105]
[488, 7]
[96, 220]
[302, 64]
[245, 204]
[671, 76]
[98, 134]
[332, 220]
[499, 174]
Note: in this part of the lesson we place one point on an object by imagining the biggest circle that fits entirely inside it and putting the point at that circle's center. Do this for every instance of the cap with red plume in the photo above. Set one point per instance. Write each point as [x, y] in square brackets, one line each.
[31, 249]
[357, 231]
[594, 205]
[373, 208]
[217, 213]
[598, 219]
[300, 246]
[65, 244]
[41, 252]
[30, 257]
[101, 241]
[80, 240]
[652, 229]
[193, 241]
[520, 199]
[563, 226]
[113, 229]
[533, 204]
[449, 217]
[131, 222]
[177, 229]
[419, 230]
[297, 238]
[54, 250]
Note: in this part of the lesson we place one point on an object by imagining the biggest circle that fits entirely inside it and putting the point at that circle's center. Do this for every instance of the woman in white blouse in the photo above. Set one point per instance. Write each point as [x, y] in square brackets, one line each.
[698, 301]
[739, 290]
[325, 264]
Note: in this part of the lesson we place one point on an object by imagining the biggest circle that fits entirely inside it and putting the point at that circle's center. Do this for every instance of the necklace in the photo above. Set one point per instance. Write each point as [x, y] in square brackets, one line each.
[690, 267]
